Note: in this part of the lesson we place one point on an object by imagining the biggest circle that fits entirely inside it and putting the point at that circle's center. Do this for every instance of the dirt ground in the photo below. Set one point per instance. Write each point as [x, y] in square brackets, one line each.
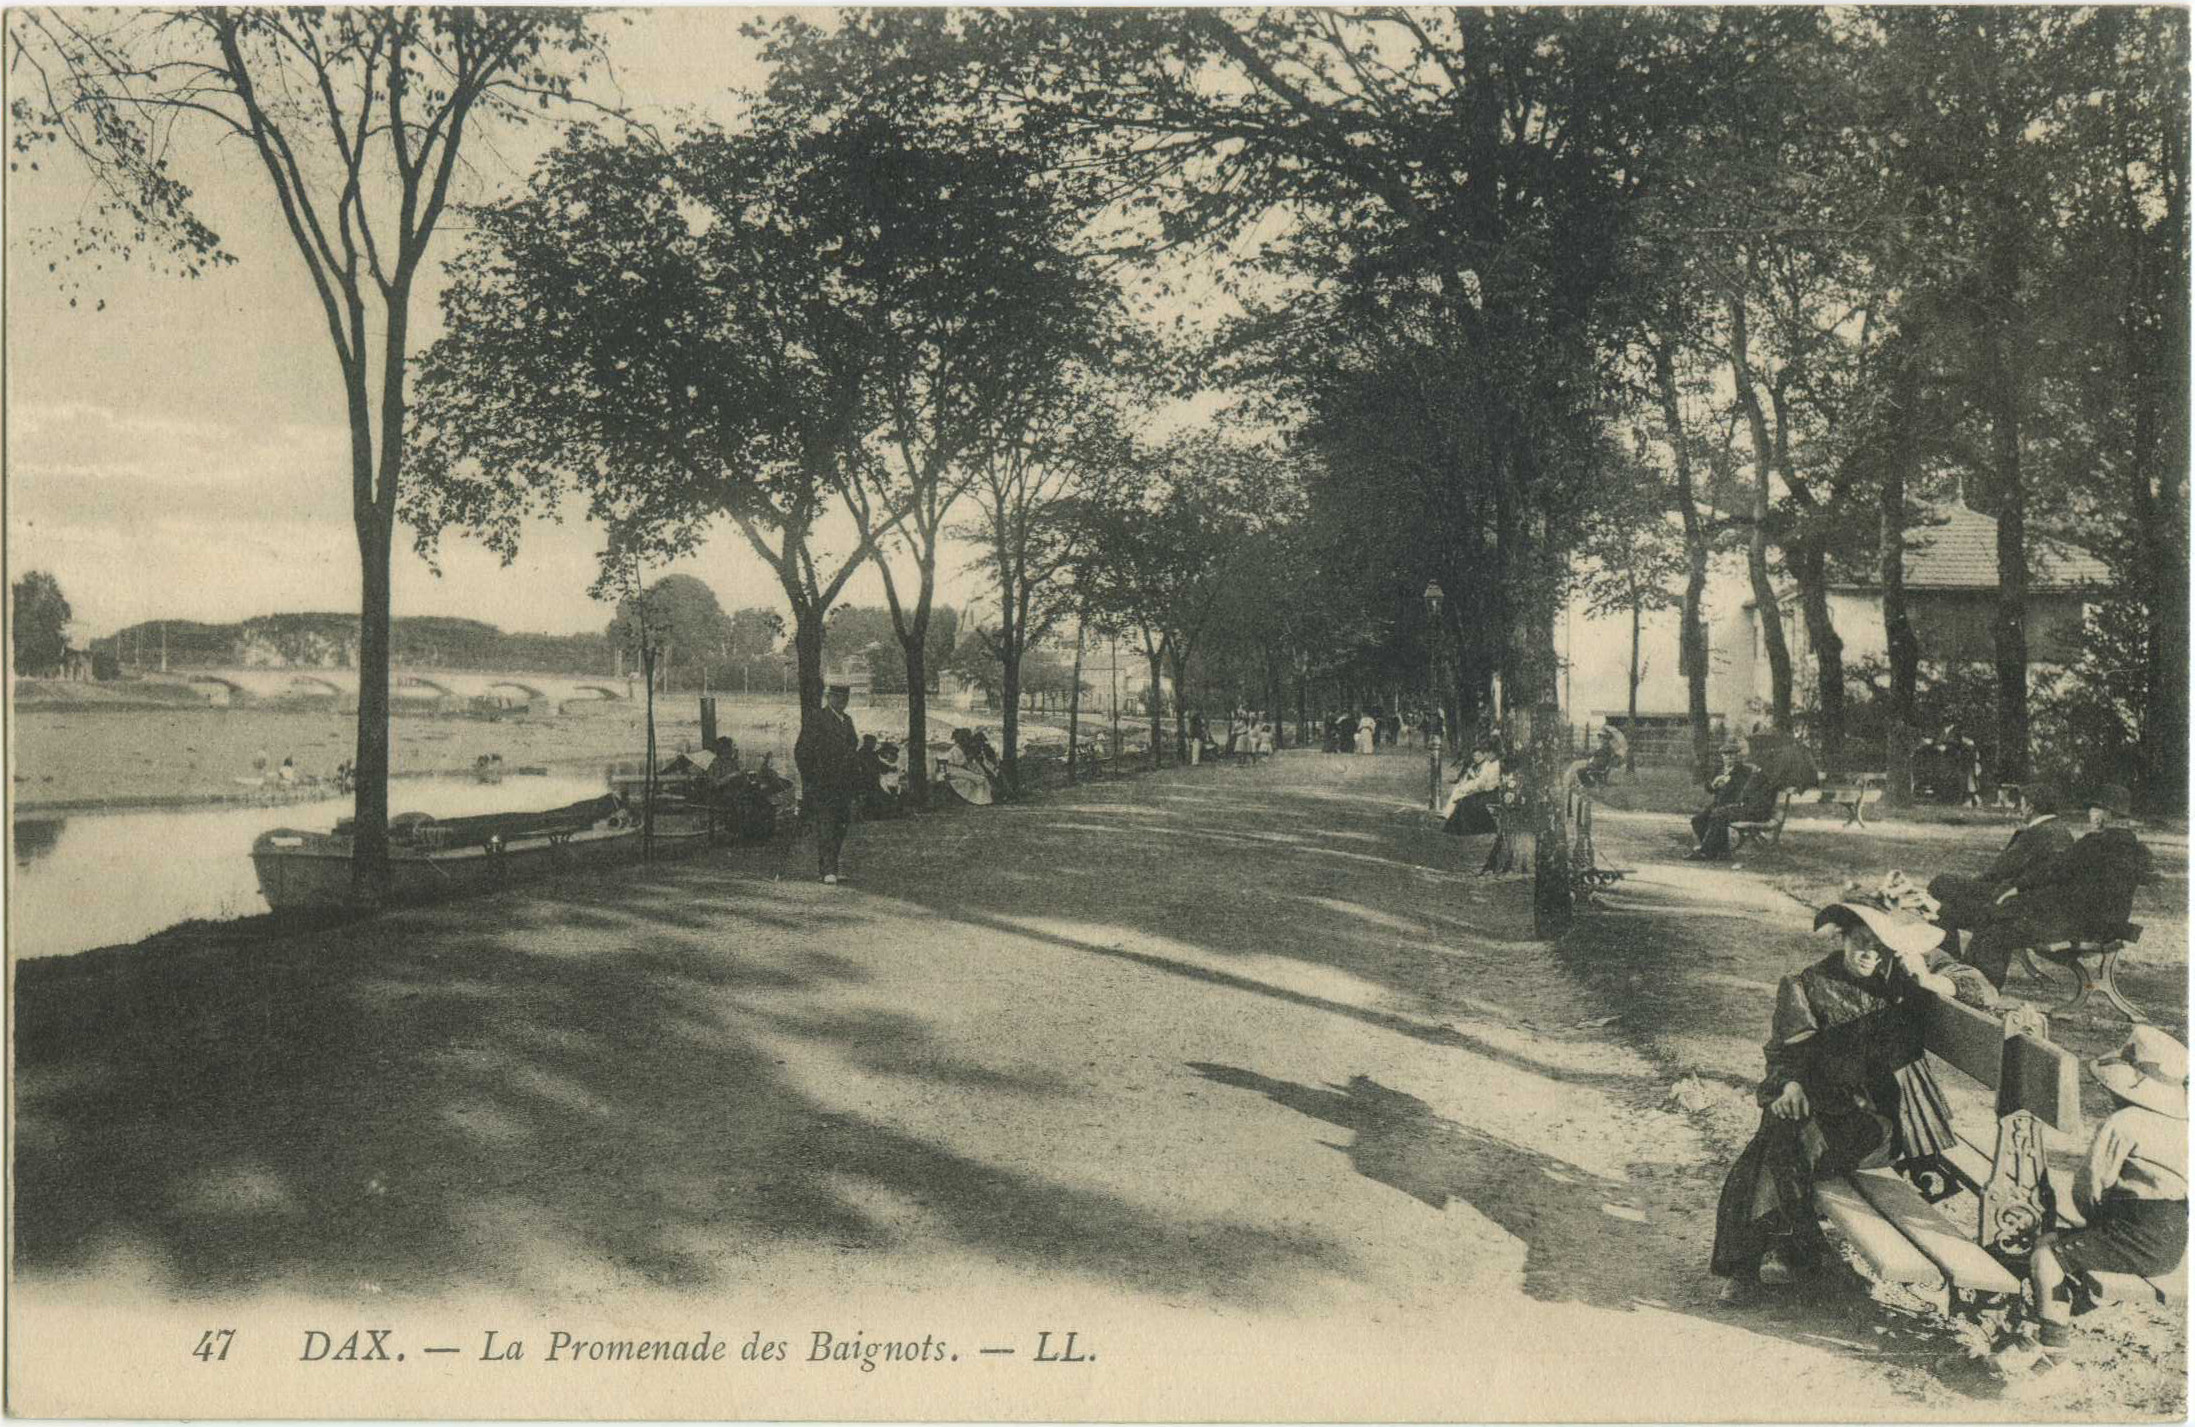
[1239, 1071]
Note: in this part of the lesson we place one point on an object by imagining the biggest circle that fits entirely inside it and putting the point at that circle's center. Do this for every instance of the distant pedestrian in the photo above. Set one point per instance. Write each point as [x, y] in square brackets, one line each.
[828, 755]
[1367, 730]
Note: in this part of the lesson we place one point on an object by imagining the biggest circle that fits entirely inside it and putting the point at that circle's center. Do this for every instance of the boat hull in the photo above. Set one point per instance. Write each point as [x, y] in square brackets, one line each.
[305, 869]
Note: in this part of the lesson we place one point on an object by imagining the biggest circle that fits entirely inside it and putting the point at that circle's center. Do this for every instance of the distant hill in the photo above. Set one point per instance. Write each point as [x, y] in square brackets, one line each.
[330, 640]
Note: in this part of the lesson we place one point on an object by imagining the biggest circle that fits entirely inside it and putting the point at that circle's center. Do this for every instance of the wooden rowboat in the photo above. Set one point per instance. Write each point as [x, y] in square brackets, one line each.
[432, 858]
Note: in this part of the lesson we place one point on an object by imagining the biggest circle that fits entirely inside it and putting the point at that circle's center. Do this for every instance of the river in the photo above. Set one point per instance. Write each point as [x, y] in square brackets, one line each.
[98, 879]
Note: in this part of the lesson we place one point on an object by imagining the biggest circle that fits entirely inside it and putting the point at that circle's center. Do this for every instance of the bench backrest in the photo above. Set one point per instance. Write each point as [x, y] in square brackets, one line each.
[2027, 1074]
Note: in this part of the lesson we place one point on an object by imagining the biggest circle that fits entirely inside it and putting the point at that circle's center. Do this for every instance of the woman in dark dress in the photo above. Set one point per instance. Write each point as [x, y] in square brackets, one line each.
[1847, 1087]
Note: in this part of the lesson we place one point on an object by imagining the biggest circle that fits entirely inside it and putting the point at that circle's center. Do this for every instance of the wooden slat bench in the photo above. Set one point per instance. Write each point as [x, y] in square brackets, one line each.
[1770, 830]
[1889, 1217]
[1855, 793]
[1854, 798]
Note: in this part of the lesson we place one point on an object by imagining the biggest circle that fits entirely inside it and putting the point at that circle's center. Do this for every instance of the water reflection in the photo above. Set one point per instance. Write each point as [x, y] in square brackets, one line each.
[97, 879]
[33, 838]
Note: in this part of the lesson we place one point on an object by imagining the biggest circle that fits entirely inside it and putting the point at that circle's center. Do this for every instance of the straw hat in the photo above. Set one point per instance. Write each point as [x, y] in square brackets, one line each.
[2150, 1070]
[1899, 930]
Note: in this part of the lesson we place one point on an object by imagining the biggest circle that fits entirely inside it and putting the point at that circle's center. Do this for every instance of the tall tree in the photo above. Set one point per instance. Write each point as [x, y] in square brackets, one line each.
[1058, 445]
[954, 239]
[657, 326]
[38, 623]
[358, 118]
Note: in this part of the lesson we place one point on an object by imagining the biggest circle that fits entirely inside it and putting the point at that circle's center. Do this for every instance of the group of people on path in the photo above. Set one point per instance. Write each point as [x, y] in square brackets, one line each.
[1247, 734]
[1362, 731]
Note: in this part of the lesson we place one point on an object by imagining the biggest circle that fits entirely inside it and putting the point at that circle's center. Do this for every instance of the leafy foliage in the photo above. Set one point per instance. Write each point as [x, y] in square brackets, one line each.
[38, 623]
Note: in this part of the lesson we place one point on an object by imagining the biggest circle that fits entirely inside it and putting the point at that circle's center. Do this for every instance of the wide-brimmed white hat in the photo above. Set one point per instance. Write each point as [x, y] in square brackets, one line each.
[2150, 1070]
[1900, 931]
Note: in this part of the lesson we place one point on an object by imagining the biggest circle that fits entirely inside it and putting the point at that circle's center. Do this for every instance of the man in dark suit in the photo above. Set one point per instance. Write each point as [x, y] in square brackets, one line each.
[828, 754]
[1970, 902]
[1740, 793]
[2083, 893]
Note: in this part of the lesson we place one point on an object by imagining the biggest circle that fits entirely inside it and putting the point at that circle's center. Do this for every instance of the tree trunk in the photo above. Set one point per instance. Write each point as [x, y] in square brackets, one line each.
[370, 760]
[808, 660]
[1180, 661]
[1810, 567]
[1074, 710]
[2002, 374]
[1765, 608]
[1009, 659]
[1900, 459]
[918, 716]
[1692, 658]
[1155, 653]
[1631, 709]
[647, 784]
[2159, 473]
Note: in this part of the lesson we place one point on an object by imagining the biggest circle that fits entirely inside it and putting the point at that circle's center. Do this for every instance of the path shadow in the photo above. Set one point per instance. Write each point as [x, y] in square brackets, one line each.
[1651, 1252]
[427, 1105]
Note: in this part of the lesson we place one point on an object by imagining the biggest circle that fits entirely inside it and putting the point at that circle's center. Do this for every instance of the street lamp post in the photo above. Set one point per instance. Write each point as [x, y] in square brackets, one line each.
[1435, 718]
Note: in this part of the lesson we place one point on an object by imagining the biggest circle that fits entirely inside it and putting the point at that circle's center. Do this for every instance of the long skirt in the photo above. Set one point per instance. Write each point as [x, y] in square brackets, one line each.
[2127, 1235]
[1364, 740]
[1770, 1190]
[1769, 1193]
[1473, 817]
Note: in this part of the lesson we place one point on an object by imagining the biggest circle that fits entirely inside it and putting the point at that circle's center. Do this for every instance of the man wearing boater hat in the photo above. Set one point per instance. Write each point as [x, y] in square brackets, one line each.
[2130, 1196]
[828, 754]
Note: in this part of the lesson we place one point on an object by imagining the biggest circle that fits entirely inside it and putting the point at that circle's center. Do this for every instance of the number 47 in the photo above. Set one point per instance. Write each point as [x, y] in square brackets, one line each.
[213, 1345]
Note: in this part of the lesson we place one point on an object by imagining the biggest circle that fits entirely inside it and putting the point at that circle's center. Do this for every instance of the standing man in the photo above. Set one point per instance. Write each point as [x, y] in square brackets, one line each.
[828, 754]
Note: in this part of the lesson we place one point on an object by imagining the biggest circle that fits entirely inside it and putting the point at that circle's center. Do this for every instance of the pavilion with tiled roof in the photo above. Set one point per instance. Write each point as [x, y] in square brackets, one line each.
[1954, 547]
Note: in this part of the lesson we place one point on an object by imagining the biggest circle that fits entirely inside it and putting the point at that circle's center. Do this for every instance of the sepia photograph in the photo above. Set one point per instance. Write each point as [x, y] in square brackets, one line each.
[1335, 714]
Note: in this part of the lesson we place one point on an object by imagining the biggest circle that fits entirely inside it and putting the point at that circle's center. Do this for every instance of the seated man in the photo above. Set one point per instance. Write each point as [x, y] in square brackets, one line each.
[2084, 893]
[1969, 902]
[1740, 793]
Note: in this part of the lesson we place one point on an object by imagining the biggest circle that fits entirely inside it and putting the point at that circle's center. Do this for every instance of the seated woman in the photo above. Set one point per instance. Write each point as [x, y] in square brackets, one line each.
[1847, 1085]
[1606, 759]
[966, 773]
[876, 764]
[1470, 807]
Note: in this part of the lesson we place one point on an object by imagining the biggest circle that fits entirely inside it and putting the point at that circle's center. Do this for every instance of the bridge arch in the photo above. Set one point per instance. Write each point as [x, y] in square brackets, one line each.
[230, 691]
[531, 693]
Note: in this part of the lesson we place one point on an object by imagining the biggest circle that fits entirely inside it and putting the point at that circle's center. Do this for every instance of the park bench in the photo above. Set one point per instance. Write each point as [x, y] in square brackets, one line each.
[2074, 956]
[1855, 796]
[1770, 829]
[1889, 1216]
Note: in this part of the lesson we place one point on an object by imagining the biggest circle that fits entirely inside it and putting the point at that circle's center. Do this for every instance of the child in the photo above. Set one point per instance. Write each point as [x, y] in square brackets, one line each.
[2131, 1193]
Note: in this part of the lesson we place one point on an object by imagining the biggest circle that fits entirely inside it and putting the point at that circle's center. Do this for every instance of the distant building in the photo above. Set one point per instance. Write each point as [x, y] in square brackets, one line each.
[1951, 595]
[1951, 592]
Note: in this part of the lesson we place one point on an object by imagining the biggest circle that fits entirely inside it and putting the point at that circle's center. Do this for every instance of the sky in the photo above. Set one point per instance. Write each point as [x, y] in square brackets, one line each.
[182, 452]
